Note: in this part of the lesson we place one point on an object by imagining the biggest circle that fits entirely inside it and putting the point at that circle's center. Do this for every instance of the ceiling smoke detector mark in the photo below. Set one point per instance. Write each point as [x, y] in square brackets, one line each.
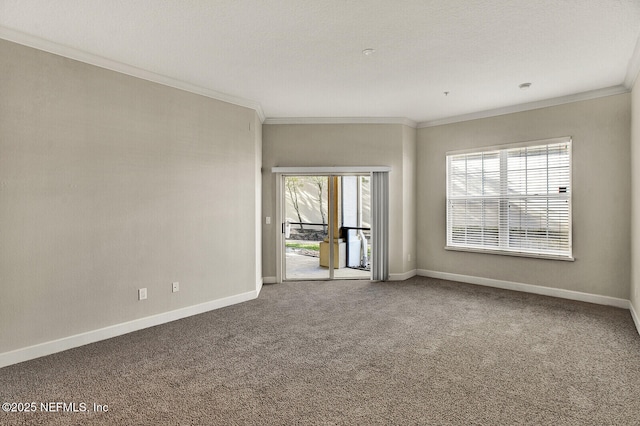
[368, 52]
[446, 93]
[524, 86]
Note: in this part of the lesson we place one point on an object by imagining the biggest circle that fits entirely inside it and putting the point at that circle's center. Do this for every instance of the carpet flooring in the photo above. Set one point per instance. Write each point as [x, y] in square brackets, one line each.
[422, 351]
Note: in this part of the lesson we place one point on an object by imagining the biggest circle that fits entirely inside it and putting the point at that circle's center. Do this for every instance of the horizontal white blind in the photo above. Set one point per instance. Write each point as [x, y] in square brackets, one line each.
[514, 199]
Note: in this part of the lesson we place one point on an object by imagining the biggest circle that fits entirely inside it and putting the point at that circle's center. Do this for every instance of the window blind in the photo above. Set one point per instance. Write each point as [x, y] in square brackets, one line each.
[512, 200]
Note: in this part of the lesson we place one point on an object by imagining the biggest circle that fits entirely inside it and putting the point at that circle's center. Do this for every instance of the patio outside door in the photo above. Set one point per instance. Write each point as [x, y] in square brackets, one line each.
[327, 227]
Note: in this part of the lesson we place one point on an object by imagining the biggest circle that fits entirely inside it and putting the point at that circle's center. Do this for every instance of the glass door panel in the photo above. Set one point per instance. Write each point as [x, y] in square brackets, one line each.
[354, 224]
[306, 227]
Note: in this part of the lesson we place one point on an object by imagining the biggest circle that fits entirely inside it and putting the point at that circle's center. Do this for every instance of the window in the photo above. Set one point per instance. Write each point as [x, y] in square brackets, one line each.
[514, 199]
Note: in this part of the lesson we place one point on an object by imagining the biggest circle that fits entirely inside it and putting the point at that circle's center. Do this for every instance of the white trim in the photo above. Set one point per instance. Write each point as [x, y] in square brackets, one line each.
[633, 69]
[529, 288]
[279, 240]
[65, 343]
[330, 170]
[269, 280]
[99, 61]
[403, 276]
[634, 315]
[584, 96]
[511, 253]
[342, 120]
[259, 287]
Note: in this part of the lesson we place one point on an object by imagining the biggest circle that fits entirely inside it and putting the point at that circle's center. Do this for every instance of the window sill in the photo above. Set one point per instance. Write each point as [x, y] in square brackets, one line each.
[512, 253]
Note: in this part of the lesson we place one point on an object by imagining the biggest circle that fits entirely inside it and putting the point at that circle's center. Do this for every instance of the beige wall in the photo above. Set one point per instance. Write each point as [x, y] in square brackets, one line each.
[635, 198]
[308, 145]
[111, 183]
[601, 193]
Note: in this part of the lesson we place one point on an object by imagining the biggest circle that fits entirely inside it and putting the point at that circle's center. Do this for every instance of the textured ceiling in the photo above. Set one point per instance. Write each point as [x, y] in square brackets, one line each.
[301, 58]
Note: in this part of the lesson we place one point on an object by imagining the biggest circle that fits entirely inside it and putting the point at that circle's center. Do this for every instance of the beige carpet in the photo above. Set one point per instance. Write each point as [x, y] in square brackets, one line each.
[421, 351]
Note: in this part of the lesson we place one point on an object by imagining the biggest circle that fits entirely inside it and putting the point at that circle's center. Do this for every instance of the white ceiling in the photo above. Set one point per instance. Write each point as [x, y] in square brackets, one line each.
[303, 58]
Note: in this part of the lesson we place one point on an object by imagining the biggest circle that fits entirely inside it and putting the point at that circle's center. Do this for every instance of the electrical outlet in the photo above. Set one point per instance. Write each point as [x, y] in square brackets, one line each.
[268, 220]
[175, 287]
[142, 293]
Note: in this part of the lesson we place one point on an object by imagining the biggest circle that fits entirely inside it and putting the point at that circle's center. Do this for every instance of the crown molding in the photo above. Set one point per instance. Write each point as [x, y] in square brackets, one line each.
[342, 120]
[38, 43]
[99, 61]
[330, 169]
[633, 69]
[584, 96]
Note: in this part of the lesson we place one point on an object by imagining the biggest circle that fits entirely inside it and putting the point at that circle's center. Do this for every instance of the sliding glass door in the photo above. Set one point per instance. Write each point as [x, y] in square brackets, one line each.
[326, 227]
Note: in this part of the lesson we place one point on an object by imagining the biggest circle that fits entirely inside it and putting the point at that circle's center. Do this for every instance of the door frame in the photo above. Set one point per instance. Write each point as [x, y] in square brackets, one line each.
[280, 172]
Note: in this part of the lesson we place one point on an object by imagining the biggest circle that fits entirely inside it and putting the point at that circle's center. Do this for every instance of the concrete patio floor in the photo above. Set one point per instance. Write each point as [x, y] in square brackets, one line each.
[300, 267]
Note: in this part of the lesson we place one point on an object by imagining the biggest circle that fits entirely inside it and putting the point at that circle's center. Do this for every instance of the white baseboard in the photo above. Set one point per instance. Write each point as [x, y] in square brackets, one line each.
[269, 280]
[59, 345]
[259, 286]
[529, 288]
[403, 276]
[635, 317]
